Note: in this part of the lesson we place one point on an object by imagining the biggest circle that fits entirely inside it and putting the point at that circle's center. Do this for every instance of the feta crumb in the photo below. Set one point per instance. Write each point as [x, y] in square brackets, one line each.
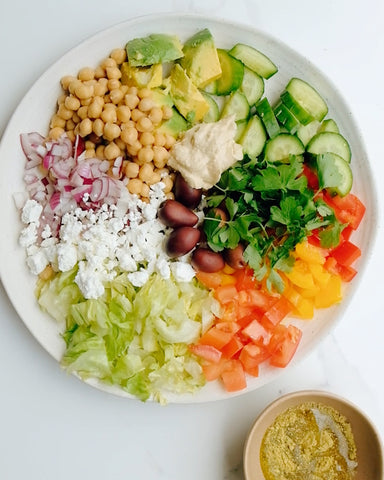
[182, 272]
[37, 262]
[31, 212]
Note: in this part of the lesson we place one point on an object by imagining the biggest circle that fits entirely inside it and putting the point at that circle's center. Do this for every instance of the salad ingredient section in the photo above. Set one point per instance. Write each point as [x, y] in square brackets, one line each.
[182, 223]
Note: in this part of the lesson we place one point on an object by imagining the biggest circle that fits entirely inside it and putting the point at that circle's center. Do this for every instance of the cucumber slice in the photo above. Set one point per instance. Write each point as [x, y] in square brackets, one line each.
[232, 73]
[252, 86]
[329, 125]
[253, 59]
[279, 148]
[307, 102]
[213, 113]
[302, 116]
[254, 137]
[240, 128]
[334, 173]
[211, 88]
[286, 118]
[266, 114]
[307, 132]
[237, 105]
[330, 142]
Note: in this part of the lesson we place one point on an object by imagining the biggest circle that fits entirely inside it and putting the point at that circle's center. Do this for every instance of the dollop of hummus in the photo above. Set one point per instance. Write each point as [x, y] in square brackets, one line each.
[205, 152]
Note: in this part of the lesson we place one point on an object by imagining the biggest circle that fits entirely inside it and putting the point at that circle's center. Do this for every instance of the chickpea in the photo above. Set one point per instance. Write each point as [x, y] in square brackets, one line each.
[122, 145]
[155, 178]
[132, 90]
[84, 91]
[168, 184]
[85, 127]
[132, 169]
[56, 133]
[144, 92]
[146, 104]
[111, 151]
[134, 186]
[98, 127]
[90, 153]
[156, 115]
[119, 55]
[64, 113]
[57, 121]
[160, 156]
[69, 125]
[131, 100]
[159, 139]
[61, 99]
[170, 196]
[134, 149]
[169, 141]
[145, 155]
[99, 72]
[76, 118]
[113, 72]
[47, 273]
[167, 112]
[66, 80]
[109, 114]
[129, 136]
[145, 189]
[123, 113]
[73, 85]
[89, 145]
[71, 135]
[83, 112]
[100, 152]
[72, 103]
[111, 131]
[146, 172]
[116, 95]
[86, 73]
[136, 114]
[144, 124]
[86, 101]
[96, 107]
[108, 62]
[129, 124]
[146, 138]
[101, 87]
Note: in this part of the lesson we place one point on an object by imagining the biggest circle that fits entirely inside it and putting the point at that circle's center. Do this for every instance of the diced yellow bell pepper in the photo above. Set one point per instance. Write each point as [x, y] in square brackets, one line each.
[330, 294]
[227, 279]
[305, 309]
[300, 275]
[320, 275]
[310, 292]
[309, 253]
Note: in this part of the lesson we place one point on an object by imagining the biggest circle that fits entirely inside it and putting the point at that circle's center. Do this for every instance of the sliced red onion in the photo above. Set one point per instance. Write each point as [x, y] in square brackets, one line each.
[54, 201]
[30, 142]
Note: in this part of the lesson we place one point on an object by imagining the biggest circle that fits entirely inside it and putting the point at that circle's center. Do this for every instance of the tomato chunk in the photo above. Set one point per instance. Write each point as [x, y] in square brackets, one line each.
[346, 253]
[233, 376]
[207, 352]
[283, 345]
[276, 313]
[348, 209]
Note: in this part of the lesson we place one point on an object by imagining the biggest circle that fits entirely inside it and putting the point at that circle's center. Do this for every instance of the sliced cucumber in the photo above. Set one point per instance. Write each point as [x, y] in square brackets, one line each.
[253, 59]
[237, 105]
[232, 73]
[329, 125]
[334, 173]
[252, 86]
[307, 132]
[286, 118]
[306, 100]
[279, 148]
[266, 114]
[213, 113]
[302, 116]
[330, 142]
[211, 88]
[254, 137]
[240, 128]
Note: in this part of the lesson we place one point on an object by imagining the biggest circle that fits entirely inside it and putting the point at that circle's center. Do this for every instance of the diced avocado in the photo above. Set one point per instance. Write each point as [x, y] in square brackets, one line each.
[149, 77]
[187, 98]
[155, 48]
[175, 125]
[161, 97]
[200, 60]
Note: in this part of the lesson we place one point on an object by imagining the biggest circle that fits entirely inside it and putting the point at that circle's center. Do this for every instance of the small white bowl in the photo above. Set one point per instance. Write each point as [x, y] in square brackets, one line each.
[368, 443]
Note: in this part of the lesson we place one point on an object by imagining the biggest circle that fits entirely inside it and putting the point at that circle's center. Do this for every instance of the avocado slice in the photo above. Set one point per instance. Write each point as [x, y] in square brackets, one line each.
[149, 77]
[175, 125]
[200, 60]
[186, 96]
[155, 48]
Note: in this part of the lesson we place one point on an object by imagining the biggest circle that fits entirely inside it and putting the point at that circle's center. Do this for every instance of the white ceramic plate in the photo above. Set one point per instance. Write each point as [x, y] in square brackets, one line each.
[38, 105]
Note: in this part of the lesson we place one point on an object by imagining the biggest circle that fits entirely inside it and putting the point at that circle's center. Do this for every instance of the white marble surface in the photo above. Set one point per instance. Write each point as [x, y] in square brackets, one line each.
[55, 427]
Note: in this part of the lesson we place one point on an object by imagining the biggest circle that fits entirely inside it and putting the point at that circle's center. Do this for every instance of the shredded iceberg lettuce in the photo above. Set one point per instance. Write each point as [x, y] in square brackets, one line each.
[135, 338]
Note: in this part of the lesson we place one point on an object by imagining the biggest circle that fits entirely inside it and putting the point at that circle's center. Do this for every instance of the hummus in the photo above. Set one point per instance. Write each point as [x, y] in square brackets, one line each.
[205, 152]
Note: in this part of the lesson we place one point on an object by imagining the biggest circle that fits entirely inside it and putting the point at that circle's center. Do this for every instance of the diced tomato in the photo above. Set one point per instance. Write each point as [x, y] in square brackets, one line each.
[212, 371]
[346, 272]
[314, 240]
[209, 353]
[346, 234]
[232, 347]
[225, 293]
[348, 209]
[276, 313]
[233, 376]
[209, 280]
[256, 332]
[346, 253]
[312, 179]
[252, 356]
[331, 264]
[216, 337]
[244, 279]
[283, 344]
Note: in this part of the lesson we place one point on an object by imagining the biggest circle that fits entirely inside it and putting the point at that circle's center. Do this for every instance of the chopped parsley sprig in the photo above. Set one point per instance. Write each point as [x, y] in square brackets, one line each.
[270, 210]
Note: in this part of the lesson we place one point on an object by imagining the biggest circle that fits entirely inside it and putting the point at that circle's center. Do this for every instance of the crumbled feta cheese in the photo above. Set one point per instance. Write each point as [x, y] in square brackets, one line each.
[31, 212]
[183, 272]
[28, 235]
[37, 262]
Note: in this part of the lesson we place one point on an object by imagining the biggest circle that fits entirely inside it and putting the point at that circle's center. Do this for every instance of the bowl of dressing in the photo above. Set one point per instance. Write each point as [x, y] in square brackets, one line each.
[313, 435]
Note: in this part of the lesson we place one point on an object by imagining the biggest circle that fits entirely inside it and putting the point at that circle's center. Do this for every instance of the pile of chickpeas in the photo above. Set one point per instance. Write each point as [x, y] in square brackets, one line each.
[116, 120]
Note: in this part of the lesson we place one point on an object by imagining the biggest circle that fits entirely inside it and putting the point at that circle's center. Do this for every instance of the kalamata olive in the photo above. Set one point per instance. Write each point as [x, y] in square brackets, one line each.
[184, 193]
[234, 257]
[181, 241]
[206, 260]
[175, 214]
